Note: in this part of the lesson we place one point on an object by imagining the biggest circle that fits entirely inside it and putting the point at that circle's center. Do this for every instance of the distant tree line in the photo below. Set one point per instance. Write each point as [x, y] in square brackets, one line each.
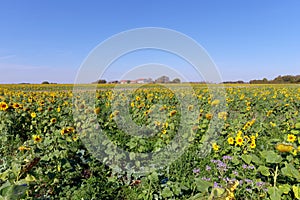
[162, 79]
[233, 82]
[278, 80]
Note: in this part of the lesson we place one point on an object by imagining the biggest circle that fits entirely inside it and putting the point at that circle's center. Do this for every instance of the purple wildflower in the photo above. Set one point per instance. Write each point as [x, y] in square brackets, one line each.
[260, 184]
[216, 185]
[250, 167]
[208, 168]
[227, 158]
[205, 179]
[248, 181]
[196, 170]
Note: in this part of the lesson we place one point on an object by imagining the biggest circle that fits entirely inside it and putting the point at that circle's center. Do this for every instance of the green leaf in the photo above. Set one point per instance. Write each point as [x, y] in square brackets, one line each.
[4, 187]
[216, 193]
[271, 157]
[132, 155]
[256, 159]
[4, 175]
[30, 178]
[246, 158]
[285, 189]
[295, 132]
[153, 177]
[202, 186]
[296, 191]
[264, 170]
[275, 193]
[235, 160]
[166, 192]
[15, 168]
[176, 189]
[297, 125]
[290, 171]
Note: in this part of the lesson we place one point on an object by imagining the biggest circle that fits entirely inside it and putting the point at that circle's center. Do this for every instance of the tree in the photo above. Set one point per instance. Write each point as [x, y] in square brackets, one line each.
[101, 81]
[45, 82]
[176, 80]
[163, 79]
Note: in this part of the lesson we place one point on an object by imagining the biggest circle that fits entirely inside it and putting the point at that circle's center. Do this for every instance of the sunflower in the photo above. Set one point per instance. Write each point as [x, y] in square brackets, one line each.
[230, 140]
[208, 116]
[190, 107]
[291, 138]
[3, 106]
[22, 148]
[252, 145]
[132, 104]
[215, 146]
[172, 113]
[16, 105]
[239, 140]
[75, 138]
[64, 131]
[37, 138]
[33, 115]
[215, 102]
[97, 110]
[70, 129]
[222, 115]
[282, 147]
[53, 120]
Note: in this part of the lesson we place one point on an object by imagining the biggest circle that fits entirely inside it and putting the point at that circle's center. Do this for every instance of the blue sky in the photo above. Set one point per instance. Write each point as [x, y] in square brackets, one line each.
[49, 40]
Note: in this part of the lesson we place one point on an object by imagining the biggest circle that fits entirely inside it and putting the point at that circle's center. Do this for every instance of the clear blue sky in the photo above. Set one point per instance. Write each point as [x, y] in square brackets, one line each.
[49, 39]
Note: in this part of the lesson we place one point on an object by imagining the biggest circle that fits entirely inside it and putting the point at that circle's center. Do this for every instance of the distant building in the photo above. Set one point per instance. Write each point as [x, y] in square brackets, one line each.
[124, 81]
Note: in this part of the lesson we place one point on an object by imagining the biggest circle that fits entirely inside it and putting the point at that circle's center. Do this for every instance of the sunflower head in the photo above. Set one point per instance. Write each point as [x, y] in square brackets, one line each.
[284, 148]
[37, 138]
[3, 106]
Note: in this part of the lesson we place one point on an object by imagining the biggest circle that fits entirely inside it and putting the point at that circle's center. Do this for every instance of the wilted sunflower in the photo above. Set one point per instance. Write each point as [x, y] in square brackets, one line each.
[208, 116]
[22, 148]
[172, 113]
[284, 148]
[97, 110]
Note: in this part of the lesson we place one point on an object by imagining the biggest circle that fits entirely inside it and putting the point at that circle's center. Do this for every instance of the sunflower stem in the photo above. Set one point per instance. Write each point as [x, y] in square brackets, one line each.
[275, 175]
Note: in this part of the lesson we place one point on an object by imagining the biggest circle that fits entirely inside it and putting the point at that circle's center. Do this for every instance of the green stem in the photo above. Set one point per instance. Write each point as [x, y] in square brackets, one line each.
[148, 194]
[275, 175]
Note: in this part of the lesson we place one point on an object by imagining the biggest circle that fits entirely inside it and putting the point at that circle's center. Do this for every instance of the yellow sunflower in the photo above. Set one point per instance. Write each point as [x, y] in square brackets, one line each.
[282, 147]
[37, 138]
[33, 115]
[239, 141]
[291, 138]
[215, 146]
[230, 140]
[3, 106]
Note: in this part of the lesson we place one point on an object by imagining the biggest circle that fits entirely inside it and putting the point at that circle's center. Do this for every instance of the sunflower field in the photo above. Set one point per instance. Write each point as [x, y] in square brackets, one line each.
[235, 142]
